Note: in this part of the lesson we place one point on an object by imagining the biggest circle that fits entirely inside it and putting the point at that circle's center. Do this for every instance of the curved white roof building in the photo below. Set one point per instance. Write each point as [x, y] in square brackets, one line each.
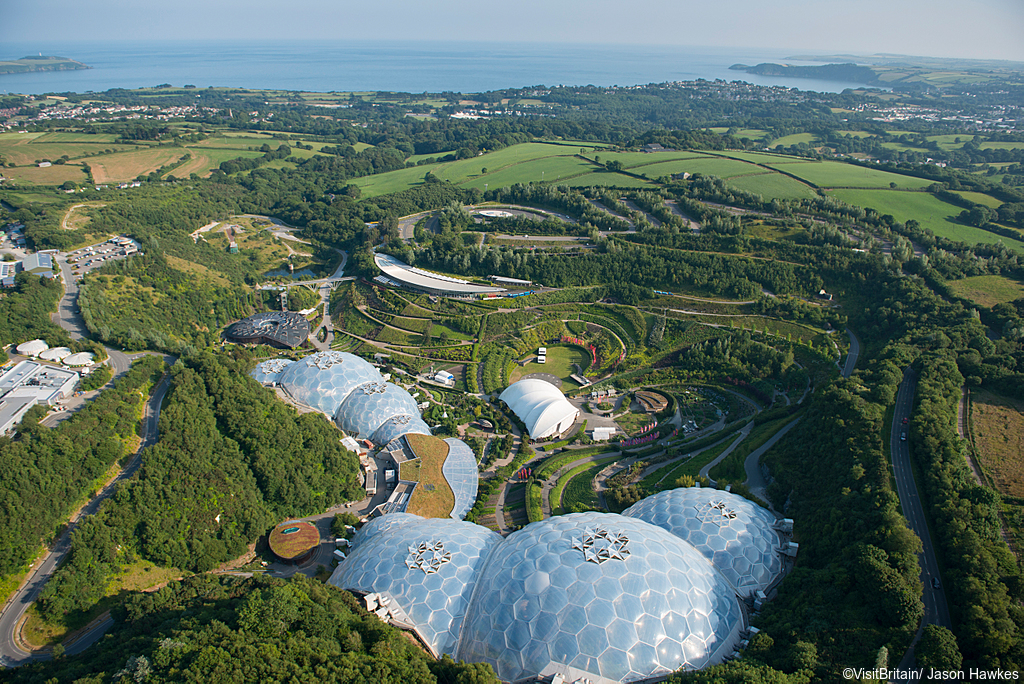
[32, 347]
[540, 405]
[79, 359]
[55, 354]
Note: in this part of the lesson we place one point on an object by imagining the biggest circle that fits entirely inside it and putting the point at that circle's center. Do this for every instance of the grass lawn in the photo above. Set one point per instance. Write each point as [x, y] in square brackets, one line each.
[557, 492]
[988, 290]
[829, 174]
[998, 425]
[580, 489]
[665, 477]
[560, 358]
[930, 211]
[433, 497]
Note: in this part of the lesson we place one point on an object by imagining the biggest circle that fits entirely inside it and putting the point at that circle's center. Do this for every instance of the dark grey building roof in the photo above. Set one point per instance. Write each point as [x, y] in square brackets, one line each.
[279, 328]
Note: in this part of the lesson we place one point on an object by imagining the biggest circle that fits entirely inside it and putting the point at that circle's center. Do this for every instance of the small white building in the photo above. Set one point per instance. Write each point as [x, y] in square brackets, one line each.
[603, 434]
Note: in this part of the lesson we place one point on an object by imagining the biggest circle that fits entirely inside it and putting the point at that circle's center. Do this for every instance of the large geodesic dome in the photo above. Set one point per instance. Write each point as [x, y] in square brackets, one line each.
[425, 569]
[602, 596]
[735, 534]
[323, 380]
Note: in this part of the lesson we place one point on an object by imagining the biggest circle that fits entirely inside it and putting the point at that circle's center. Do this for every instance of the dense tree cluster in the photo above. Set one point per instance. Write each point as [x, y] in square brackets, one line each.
[231, 461]
[48, 470]
[219, 628]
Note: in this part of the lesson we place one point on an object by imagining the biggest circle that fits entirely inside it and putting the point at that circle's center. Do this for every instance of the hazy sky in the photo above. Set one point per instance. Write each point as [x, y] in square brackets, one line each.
[991, 29]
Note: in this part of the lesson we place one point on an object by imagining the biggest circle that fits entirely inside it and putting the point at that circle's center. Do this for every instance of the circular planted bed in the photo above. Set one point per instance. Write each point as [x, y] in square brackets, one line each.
[294, 541]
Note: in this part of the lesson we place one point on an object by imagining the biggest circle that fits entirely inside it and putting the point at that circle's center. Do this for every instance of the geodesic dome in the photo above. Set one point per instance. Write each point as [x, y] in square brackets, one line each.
[462, 475]
[399, 425]
[368, 406]
[426, 568]
[323, 380]
[602, 596]
[382, 524]
[734, 533]
[269, 372]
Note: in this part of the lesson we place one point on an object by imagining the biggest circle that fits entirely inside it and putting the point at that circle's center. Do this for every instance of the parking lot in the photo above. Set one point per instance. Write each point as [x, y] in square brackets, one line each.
[85, 259]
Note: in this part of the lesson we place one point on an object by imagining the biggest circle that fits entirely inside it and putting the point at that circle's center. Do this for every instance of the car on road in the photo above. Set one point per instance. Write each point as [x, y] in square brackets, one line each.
[903, 436]
[906, 420]
[935, 583]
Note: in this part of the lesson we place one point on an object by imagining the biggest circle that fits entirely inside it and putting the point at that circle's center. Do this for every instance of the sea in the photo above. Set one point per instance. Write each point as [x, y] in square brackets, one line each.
[405, 66]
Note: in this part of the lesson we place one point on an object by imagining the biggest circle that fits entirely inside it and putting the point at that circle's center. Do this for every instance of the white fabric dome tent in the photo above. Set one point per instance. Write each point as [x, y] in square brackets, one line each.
[540, 405]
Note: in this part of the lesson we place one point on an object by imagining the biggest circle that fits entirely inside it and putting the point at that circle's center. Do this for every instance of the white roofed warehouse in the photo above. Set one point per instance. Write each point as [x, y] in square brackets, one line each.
[541, 406]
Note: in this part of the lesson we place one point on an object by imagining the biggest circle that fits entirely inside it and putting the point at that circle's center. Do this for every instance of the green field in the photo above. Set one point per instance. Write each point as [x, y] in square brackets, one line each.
[605, 178]
[988, 290]
[631, 160]
[930, 211]
[547, 169]
[795, 139]
[762, 157]
[770, 185]
[723, 168]
[949, 142]
[73, 137]
[559, 363]
[752, 133]
[980, 198]
[839, 175]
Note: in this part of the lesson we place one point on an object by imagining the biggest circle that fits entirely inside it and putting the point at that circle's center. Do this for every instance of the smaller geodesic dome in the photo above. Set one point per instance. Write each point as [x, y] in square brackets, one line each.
[370, 405]
[399, 425]
[541, 406]
[735, 534]
[269, 372]
[323, 380]
[424, 569]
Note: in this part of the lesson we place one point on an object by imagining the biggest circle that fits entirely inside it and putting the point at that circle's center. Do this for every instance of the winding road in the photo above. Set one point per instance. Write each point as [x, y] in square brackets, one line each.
[11, 652]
